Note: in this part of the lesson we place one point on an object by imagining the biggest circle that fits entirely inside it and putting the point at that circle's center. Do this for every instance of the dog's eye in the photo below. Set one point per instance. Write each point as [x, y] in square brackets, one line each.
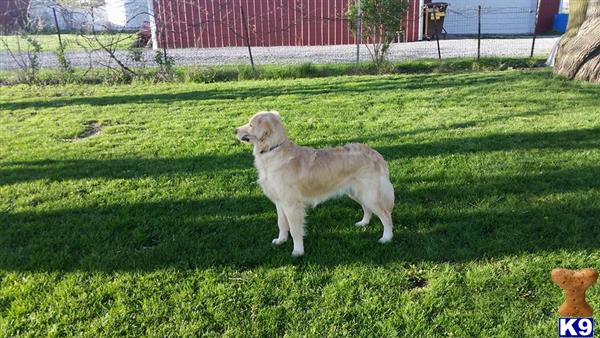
[250, 125]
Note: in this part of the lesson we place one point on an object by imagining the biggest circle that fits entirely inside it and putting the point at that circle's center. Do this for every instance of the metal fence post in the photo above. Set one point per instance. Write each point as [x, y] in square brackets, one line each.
[537, 14]
[57, 30]
[247, 37]
[478, 32]
[358, 31]
[437, 36]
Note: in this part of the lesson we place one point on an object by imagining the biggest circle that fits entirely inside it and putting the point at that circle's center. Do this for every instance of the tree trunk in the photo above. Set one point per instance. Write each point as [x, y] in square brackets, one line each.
[579, 49]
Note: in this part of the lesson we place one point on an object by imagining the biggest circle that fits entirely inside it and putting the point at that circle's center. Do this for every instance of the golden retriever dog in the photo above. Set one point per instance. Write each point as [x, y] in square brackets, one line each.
[294, 177]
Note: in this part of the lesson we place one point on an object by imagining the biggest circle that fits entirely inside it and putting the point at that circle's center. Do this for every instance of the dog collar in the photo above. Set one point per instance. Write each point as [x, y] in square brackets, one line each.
[272, 148]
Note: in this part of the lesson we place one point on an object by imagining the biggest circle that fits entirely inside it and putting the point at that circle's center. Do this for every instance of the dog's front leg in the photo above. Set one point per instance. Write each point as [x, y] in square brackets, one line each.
[283, 225]
[295, 217]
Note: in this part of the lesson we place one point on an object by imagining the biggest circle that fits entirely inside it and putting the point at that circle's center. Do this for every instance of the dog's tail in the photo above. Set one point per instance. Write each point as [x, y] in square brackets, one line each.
[387, 192]
[386, 189]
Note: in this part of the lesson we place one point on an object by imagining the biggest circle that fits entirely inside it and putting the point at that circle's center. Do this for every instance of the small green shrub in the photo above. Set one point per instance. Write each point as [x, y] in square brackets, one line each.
[29, 63]
[65, 68]
[247, 73]
[380, 21]
[136, 54]
[165, 64]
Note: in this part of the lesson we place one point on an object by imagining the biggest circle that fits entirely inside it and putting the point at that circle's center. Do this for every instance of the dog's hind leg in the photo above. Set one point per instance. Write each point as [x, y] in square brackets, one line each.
[283, 225]
[295, 217]
[381, 201]
[388, 227]
[384, 207]
[386, 219]
[366, 217]
[366, 212]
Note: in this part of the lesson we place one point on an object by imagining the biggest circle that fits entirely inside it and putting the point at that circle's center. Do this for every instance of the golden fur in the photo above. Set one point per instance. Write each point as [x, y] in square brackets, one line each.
[293, 177]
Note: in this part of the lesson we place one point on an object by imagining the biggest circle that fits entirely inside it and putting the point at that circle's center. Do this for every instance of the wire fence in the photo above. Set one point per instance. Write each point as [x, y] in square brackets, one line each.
[210, 32]
[495, 28]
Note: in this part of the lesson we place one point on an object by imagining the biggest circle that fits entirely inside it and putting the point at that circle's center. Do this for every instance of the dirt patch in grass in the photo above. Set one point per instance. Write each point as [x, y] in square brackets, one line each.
[417, 282]
[92, 128]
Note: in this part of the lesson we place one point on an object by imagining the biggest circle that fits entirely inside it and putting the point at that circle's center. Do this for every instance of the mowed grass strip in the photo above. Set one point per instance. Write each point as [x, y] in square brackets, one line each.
[132, 210]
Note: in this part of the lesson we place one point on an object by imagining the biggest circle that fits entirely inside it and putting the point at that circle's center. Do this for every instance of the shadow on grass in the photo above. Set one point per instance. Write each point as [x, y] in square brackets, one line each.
[340, 86]
[236, 231]
[553, 140]
[59, 170]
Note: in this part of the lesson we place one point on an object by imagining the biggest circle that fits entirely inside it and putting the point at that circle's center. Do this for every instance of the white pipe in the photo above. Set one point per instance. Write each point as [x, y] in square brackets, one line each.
[420, 9]
[150, 4]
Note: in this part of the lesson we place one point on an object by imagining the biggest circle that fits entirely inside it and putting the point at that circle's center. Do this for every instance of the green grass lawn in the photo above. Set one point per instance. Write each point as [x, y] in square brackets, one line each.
[71, 41]
[155, 226]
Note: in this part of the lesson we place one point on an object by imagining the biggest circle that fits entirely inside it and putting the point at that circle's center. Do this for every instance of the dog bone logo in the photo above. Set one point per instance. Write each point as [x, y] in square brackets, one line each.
[575, 283]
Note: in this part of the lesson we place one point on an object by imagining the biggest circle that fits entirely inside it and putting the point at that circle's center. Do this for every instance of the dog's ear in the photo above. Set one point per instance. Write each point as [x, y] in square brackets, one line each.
[265, 129]
[276, 116]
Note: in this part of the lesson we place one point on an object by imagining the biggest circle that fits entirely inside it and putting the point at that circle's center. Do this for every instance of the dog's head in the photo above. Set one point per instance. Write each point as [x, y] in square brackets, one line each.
[264, 131]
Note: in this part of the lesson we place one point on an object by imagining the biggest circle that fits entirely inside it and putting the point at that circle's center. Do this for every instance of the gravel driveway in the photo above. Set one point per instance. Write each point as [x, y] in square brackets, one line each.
[517, 47]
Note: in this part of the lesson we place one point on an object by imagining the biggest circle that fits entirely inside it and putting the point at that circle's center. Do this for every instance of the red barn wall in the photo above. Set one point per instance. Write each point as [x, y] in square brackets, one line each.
[547, 10]
[411, 24]
[218, 23]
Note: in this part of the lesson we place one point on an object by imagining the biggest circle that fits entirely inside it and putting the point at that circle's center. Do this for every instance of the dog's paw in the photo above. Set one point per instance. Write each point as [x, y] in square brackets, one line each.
[297, 253]
[278, 241]
[384, 240]
[361, 223]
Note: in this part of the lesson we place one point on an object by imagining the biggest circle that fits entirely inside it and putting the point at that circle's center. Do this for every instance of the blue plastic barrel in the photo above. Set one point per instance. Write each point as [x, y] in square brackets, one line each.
[560, 23]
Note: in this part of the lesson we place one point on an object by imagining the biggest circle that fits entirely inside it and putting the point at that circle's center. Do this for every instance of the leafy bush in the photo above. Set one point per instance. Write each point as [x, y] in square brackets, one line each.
[26, 56]
[64, 65]
[380, 21]
[136, 54]
[165, 64]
